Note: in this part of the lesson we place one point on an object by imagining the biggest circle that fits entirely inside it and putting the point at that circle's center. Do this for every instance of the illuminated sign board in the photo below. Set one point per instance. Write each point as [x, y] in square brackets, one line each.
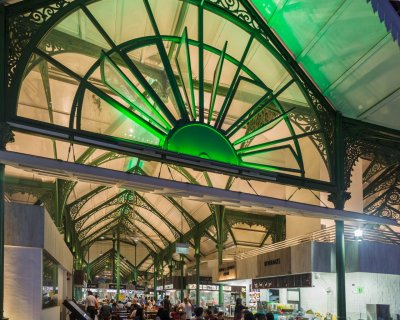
[182, 248]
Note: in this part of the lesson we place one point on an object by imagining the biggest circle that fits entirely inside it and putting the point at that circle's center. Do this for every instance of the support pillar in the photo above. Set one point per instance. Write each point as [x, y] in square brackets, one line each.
[181, 279]
[5, 136]
[339, 198]
[197, 256]
[340, 271]
[118, 266]
[113, 261]
[135, 270]
[88, 266]
[155, 275]
[221, 295]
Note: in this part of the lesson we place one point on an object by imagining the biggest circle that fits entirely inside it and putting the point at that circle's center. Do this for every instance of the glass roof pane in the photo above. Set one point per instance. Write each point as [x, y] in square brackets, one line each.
[168, 12]
[100, 117]
[217, 31]
[150, 64]
[376, 78]
[311, 15]
[336, 50]
[388, 114]
[123, 20]
[75, 34]
[266, 66]
[246, 95]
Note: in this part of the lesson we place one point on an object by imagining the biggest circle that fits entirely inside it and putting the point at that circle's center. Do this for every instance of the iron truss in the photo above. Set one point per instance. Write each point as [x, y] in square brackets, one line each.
[381, 148]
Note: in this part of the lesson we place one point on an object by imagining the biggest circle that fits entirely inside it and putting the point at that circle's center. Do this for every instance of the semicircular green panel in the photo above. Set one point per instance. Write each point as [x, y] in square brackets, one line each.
[202, 141]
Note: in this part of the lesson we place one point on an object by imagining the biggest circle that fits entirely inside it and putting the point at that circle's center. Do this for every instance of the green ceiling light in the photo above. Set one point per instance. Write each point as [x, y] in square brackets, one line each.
[202, 141]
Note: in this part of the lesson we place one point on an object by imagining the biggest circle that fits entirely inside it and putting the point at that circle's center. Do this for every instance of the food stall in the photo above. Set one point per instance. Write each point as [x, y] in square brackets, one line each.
[209, 294]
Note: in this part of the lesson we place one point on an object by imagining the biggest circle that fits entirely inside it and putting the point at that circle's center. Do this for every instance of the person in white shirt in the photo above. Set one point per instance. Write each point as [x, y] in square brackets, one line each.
[91, 305]
[187, 307]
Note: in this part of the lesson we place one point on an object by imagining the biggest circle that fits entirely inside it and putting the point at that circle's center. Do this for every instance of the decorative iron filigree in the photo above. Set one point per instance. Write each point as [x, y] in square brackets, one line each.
[23, 27]
[326, 122]
[376, 166]
[236, 8]
[125, 197]
[383, 206]
[309, 123]
[263, 117]
[6, 135]
[388, 179]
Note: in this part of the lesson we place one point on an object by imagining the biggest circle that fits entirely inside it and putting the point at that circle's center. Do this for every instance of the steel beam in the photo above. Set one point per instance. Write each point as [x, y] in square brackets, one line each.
[103, 176]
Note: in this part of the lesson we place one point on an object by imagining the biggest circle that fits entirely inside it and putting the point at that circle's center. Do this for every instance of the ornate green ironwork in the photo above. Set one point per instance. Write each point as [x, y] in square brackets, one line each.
[158, 118]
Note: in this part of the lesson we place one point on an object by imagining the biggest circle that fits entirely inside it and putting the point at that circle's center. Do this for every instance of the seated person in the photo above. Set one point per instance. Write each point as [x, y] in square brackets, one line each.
[198, 313]
[120, 306]
[105, 312]
[134, 308]
[220, 316]
[209, 315]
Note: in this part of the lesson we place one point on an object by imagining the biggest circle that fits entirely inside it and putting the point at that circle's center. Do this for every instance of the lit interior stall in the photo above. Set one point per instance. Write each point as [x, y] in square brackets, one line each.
[300, 280]
[209, 291]
[230, 293]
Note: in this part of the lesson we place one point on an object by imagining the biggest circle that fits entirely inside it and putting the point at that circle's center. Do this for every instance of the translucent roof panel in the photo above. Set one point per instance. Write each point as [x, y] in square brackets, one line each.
[345, 49]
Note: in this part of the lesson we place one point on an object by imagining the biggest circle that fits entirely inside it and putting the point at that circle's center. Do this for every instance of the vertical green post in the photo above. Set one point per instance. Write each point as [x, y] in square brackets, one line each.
[221, 295]
[118, 266]
[338, 199]
[88, 265]
[155, 275]
[181, 279]
[340, 270]
[135, 271]
[197, 255]
[113, 260]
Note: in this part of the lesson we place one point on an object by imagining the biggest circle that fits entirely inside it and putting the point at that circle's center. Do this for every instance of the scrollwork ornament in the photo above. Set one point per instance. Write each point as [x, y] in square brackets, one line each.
[339, 198]
[237, 9]
[6, 135]
[23, 27]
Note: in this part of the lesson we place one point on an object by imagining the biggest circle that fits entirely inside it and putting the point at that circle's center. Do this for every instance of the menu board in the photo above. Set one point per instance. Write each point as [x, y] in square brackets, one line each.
[289, 281]
[114, 286]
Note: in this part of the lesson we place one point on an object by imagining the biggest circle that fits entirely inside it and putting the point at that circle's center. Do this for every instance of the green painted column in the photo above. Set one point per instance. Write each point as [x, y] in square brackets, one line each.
[338, 199]
[182, 277]
[340, 271]
[118, 266]
[113, 261]
[197, 255]
[135, 270]
[221, 295]
[155, 275]
[171, 269]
